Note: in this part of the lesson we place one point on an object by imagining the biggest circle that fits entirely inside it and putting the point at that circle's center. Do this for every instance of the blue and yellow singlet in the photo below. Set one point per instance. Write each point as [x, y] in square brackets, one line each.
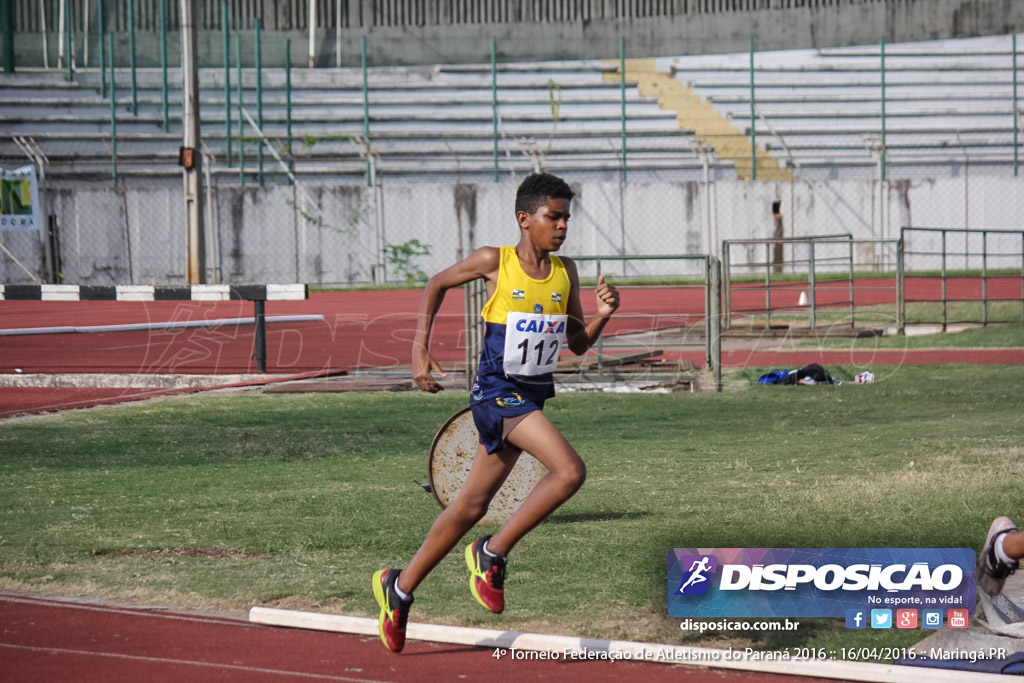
[524, 328]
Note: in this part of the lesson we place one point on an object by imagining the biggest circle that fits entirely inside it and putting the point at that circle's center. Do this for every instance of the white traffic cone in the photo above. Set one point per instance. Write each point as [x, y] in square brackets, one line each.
[803, 299]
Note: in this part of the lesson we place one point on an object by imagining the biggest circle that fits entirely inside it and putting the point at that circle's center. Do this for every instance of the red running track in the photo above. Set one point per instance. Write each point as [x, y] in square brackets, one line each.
[44, 639]
[361, 329]
[750, 297]
[375, 330]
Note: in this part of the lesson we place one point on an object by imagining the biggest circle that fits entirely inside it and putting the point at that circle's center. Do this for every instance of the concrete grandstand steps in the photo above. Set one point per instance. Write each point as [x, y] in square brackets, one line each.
[581, 65]
[38, 79]
[397, 169]
[406, 157]
[816, 80]
[150, 112]
[406, 78]
[811, 107]
[816, 69]
[711, 128]
[908, 121]
[846, 97]
[563, 113]
[944, 101]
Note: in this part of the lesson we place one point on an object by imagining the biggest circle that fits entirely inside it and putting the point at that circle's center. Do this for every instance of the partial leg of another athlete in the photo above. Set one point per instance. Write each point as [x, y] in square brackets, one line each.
[485, 557]
[1000, 556]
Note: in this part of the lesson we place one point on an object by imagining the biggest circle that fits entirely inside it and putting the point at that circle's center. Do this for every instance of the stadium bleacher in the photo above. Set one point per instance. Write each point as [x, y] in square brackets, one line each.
[816, 112]
[422, 121]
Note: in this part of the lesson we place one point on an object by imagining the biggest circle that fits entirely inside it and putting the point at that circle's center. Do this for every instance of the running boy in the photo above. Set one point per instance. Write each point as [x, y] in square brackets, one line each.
[533, 305]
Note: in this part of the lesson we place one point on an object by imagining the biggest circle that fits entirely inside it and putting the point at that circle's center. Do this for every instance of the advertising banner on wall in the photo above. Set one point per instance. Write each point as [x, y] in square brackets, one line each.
[818, 582]
[19, 199]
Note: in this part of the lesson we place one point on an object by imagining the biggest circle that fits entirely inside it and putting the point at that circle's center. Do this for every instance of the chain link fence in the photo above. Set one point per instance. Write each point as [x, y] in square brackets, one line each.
[398, 232]
[383, 175]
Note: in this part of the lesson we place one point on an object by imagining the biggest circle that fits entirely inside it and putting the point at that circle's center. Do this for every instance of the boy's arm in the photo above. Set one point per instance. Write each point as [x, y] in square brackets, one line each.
[482, 263]
[581, 335]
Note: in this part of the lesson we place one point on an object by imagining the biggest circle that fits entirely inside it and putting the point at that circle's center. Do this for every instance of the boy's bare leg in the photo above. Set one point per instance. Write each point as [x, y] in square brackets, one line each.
[566, 473]
[486, 476]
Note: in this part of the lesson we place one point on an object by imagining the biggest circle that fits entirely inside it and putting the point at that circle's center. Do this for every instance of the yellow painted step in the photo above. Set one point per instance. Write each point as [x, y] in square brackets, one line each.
[711, 128]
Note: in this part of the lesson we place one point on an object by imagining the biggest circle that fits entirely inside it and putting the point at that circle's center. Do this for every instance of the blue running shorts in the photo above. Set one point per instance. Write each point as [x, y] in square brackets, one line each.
[490, 416]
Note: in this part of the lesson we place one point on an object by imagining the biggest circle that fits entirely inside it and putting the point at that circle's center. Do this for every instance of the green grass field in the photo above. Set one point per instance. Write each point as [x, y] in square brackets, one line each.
[221, 502]
[886, 315]
[1008, 336]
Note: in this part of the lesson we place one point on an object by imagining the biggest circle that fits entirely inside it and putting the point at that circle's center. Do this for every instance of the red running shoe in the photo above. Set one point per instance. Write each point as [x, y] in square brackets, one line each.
[486, 576]
[394, 612]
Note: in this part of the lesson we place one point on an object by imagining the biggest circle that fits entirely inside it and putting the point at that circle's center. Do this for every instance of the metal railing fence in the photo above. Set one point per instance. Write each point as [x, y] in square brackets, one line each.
[827, 271]
[977, 271]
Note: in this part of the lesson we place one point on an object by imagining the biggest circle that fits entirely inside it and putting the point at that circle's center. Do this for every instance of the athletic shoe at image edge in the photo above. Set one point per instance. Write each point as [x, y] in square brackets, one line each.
[486, 576]
[992, 571]
[394, 612]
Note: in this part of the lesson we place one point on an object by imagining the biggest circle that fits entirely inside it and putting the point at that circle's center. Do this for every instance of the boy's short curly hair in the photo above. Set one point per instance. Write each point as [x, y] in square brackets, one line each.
[537, 188]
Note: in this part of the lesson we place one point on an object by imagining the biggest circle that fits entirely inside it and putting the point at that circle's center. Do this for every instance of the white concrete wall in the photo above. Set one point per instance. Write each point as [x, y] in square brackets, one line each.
[259, 230]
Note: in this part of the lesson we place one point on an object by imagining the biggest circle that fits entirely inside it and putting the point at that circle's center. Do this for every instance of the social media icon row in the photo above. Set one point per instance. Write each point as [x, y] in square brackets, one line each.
[905, 618]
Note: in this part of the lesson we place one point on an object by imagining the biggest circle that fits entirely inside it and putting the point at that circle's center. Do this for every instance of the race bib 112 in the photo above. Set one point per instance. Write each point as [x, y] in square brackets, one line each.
[533, 342]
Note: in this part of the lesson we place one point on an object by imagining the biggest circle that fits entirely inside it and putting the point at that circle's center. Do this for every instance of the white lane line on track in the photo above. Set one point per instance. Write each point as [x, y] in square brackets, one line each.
[190, 662]
[130, 611]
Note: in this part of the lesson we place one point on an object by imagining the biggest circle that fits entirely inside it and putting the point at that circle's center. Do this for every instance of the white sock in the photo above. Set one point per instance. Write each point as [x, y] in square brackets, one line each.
[492, 554]
[1001, 553]
[402, 594]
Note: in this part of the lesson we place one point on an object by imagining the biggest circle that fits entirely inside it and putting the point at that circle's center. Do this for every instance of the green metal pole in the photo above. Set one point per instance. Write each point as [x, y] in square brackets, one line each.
[944, 302]
[164, 91]
[853, 313]
[753, 121]
[494, 100]
[714, 314]
[8, 21]
[768, 283]
[227, 75]
[984, 278]
[366, 108]
[726, 287]
[259, 100]
[113, 110]
[131, 50]
[288, 96]
[1015, 159]
[901, 297]
[100, 33]
[622, 94]
[71, 48]
[241, 124]
[883, 109]
[811, 280]
[708, 338]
